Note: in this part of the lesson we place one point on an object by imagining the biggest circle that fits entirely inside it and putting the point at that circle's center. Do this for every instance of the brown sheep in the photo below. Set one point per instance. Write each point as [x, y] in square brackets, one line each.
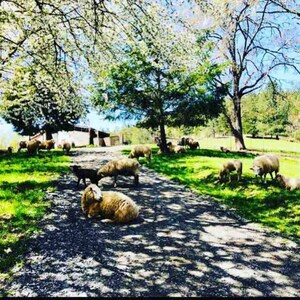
[9, 150]
[33, 146]
[141, 151]
[22, 145]
[228, 167]
[288, 183]
[123, 166]
[47, 145]
[194, 145]
[110, 205]
[85, 173]
[66, 147]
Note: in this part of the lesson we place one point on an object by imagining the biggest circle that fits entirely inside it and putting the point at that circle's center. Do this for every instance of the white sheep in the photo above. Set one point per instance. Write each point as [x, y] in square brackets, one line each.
[264, 164]
[110, 205]
[288, 182]
[123, 166]
[228, 167]
[141, 151]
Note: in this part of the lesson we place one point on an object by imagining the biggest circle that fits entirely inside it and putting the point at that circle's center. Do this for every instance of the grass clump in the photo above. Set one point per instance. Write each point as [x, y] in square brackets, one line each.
[23, 182]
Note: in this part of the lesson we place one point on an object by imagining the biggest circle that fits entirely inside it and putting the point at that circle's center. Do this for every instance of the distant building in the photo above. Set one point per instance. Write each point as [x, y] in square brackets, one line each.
[80, 136]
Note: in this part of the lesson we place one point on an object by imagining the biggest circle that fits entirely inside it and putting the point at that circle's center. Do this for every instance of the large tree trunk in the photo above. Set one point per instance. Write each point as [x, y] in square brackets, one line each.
[163, 145]
[237, 126]
[48, 135]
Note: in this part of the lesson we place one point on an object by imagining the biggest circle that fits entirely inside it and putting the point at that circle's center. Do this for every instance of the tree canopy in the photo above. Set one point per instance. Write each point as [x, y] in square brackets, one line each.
[33, 101]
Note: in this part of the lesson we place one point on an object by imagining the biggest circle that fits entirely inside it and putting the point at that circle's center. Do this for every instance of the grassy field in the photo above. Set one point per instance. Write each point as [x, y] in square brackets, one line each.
[264, 203]
[265, 145]
[23, 182]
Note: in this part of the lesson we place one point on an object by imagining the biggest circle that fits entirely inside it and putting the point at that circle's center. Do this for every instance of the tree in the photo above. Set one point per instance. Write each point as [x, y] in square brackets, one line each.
[272, 101]
[157, 97]
[161, 75]
[33, 101]
[253, 44]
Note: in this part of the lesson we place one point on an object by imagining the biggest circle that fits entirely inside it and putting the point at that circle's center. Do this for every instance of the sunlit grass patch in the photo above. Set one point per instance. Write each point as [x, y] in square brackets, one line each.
[265, 203]
[23, 182]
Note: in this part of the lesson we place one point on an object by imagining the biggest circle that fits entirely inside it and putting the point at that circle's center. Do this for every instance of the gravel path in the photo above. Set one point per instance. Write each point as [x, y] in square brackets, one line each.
[183, 245]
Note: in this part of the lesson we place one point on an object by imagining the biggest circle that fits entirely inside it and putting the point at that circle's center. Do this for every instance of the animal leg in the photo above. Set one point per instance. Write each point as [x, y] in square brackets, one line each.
[84, 182]
[265, 178]
[78, 182]
[271, 175]
[115, 181]
[136, 180]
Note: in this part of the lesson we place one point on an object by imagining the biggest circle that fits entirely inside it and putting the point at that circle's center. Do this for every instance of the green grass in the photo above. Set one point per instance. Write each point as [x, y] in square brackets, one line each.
[265, 145]
[23, 182]
[267, 204]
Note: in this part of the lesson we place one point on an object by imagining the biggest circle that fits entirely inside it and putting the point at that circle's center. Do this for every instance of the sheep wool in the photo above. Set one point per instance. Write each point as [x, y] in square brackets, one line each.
[229, 166]
[110, 205]
[265, 164]
[123, 166]
[66, 147]
[141, 151]
[33, 146]
[288, 183]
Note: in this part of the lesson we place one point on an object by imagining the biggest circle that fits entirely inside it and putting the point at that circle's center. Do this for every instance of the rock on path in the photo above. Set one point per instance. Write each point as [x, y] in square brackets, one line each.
[183, 245]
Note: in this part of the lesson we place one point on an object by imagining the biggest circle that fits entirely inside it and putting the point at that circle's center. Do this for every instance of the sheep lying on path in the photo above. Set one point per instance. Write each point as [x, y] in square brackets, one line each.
[22, 145]
[141, 151]
[288, 183]
[47, 145]
[33, 146]
[85, 173]
[110, 205]
[6, 151]
[66, 147]
[229, 166]
[264, 164]
[123, 166]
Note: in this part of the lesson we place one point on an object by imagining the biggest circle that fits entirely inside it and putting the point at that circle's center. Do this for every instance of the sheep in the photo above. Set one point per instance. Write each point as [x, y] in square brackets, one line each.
[223, 149]
[47, 145]
[229, 166]
[194, 145]
[264, 164]
[33, 146]
[141, 151]
[85, 173]
[9, 150]
[66, 147]
[22, 145]
[175, 148]
[288, 183]
[111, 205]
[123, 166]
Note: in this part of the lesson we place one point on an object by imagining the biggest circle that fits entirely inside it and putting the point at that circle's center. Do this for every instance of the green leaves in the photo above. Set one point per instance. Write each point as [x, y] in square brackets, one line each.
[33, 100]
